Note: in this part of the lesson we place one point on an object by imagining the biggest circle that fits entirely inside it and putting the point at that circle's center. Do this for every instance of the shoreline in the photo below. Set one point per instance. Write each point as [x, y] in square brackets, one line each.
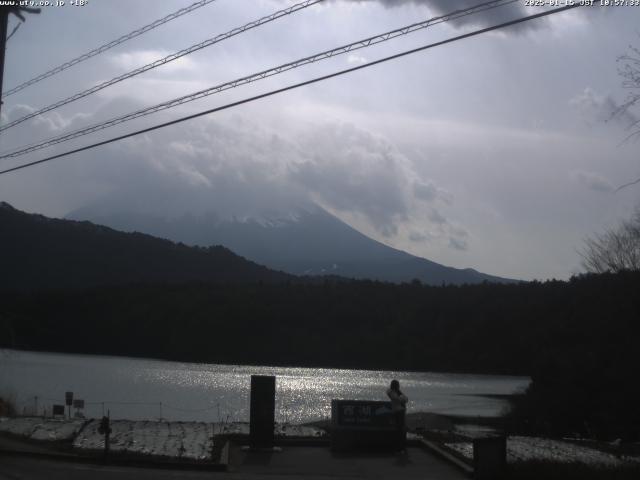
[108, 356]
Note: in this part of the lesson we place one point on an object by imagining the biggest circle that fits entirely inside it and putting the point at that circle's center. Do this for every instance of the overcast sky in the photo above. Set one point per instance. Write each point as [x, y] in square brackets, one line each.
[496, 152]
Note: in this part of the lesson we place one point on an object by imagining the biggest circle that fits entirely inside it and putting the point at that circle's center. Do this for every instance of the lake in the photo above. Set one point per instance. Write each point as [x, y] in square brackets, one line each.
[136, 388]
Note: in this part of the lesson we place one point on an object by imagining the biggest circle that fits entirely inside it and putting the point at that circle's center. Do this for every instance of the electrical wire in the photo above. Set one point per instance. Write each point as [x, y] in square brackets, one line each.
[367, 42]
[108, 402]
[107, 46]
[297, 85]
[164, 61]
[195, 410]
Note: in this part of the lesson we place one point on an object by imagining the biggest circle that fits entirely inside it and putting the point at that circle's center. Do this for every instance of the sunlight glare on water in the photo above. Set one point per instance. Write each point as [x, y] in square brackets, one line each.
[145, 389]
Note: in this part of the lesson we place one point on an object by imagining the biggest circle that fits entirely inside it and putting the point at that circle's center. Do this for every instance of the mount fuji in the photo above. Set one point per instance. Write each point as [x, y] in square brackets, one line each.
[303, 241]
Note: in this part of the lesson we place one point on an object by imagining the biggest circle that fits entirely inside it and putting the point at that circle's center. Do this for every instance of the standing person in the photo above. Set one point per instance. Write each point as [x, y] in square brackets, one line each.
[398, 408]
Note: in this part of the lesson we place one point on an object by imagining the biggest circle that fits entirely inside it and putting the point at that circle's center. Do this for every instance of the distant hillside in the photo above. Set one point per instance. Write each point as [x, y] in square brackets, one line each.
[301, 241]
[38, 252]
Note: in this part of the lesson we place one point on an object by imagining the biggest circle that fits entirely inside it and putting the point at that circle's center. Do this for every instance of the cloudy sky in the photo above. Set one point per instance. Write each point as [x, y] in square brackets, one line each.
[496, 152]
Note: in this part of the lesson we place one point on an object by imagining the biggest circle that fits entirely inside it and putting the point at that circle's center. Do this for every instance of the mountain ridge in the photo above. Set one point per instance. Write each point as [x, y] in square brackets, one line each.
[307, 241]
[37, 252]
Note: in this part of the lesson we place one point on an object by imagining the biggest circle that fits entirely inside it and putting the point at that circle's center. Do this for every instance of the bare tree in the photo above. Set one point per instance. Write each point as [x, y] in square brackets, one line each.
[619, 248]
[615, 250]
[629, 71]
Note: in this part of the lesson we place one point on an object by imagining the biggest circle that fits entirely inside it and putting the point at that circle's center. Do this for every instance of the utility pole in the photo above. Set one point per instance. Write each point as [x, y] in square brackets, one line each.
[105, 429]
[4, 23]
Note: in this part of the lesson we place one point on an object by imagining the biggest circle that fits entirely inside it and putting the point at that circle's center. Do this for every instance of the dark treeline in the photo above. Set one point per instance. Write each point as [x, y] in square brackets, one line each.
[38, 253]
[577, 339]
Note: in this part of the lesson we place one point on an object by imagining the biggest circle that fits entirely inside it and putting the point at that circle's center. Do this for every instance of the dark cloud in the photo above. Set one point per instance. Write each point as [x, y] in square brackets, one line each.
[429, 192]
[593, 181]
[436, 217]
[482, 19]
[418, 237]
[352, 170]
[242, 168]
[458, 243]
[425, 191]
[601, 108]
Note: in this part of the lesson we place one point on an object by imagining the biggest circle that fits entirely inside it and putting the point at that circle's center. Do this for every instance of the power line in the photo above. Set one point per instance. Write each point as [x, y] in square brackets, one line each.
[165, 60]
[107, 46]
[122, 403]
[194, 410]
[297, 85]
[367, 42]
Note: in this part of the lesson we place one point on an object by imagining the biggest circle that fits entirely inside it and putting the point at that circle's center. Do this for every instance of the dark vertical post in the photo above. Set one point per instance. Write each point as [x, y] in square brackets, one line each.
[490, 457]
[262, 411]
[107, 437]
[68, 396]
[105, 429]
[4, 25]
[4, 21]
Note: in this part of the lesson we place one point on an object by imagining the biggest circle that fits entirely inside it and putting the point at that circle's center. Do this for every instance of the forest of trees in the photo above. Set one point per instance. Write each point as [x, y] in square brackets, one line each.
[38, 253]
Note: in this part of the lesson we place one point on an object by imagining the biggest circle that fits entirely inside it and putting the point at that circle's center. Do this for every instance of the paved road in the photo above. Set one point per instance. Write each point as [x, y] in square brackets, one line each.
[300, 462]
[19, 468]
[294, 462]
